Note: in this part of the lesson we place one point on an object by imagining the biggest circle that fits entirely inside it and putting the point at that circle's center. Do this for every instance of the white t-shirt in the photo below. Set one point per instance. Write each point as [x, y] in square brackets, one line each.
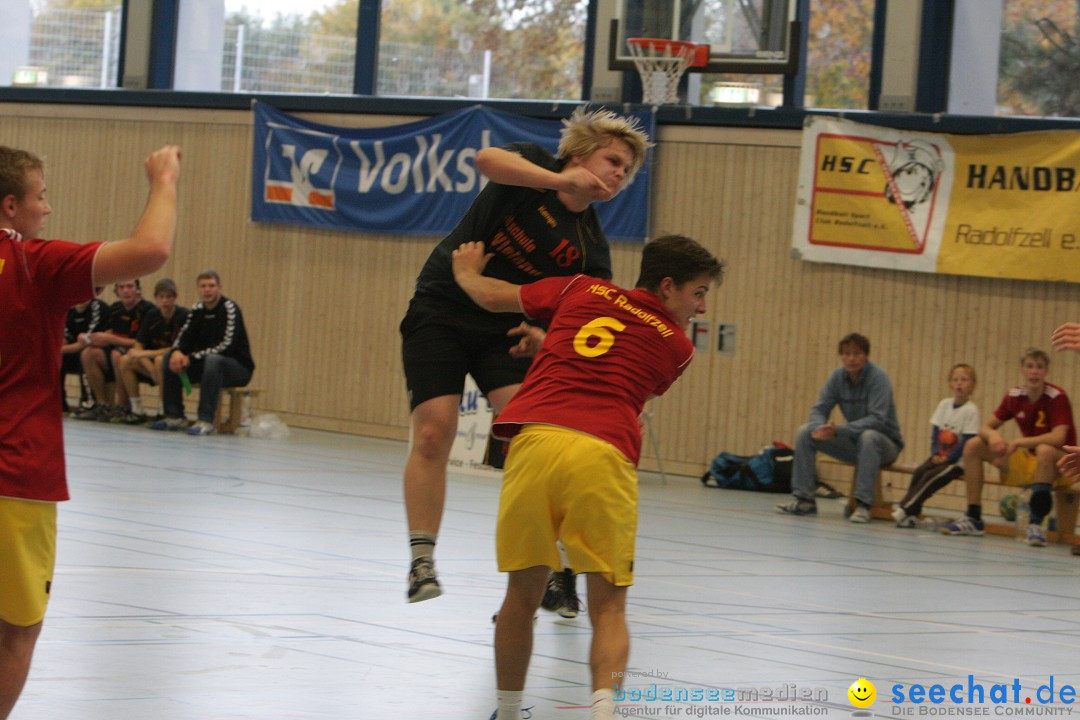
[963, 420]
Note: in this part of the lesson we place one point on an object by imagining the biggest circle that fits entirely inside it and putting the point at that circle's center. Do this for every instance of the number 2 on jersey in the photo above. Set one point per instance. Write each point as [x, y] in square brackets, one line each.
[596, 337]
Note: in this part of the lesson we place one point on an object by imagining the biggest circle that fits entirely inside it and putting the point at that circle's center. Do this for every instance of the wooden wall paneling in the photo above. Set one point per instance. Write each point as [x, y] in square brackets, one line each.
[717, 234]
[896, 341]
[666, 206]
[774, 324]
[728, 405]
[322, 307]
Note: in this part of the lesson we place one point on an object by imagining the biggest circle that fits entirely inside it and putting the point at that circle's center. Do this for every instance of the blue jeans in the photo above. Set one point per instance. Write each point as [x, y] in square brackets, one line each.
[213, 373]
[868, 453]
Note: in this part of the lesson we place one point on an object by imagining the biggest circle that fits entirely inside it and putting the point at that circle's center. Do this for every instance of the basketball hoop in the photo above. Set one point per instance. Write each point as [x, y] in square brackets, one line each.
[661, 63]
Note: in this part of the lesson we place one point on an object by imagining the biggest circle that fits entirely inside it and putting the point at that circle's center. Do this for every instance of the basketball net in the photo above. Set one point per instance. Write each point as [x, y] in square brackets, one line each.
[661, 63]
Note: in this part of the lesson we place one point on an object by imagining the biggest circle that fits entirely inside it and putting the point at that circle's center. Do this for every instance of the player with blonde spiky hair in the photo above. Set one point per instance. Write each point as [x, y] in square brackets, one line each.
[585, 131]
[536, 218]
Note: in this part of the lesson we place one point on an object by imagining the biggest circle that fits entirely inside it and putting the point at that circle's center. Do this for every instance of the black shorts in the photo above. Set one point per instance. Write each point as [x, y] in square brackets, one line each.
[68, 366]
[142, 377]
[71, 364]
[440, 345]
[110, 372]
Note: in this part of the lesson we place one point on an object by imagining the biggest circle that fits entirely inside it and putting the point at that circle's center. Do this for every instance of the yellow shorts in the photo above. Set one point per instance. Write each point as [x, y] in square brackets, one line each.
[1021, 470]
[27, 559]
[564, 485]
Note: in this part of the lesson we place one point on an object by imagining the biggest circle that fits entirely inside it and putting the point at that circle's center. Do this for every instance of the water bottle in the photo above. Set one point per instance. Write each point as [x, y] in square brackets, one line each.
[245, 411]
[930, 523]
[1023, 516]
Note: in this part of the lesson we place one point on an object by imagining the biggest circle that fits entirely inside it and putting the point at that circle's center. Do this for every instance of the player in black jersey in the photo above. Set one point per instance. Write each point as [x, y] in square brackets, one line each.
[212, 348]
[536, 217]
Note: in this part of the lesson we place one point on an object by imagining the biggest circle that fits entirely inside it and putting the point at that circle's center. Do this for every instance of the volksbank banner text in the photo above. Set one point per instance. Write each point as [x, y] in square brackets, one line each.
[413, 179]
[1003, 206]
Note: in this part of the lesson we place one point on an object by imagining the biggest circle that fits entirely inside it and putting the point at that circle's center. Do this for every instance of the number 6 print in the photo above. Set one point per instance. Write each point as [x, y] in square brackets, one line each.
[600, 328]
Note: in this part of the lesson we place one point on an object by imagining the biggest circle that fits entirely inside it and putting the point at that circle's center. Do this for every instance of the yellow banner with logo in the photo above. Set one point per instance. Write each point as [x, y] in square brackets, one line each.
[990, 205]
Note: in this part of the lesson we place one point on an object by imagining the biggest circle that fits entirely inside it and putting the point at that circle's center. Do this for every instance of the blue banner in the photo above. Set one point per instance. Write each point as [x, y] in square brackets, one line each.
[413, 179]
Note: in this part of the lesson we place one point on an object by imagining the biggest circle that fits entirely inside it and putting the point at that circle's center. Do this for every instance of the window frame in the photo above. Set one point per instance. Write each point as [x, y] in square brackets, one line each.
[789, 116]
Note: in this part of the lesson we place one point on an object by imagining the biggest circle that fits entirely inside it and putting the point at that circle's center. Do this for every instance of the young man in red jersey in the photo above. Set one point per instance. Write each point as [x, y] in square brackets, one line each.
[1044, 415]
[1067, 337]
[576, 440]
[39, 281]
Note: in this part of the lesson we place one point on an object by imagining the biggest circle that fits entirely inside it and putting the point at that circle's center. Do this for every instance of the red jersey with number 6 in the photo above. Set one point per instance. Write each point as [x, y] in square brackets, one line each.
[607, 351]
[39, 281]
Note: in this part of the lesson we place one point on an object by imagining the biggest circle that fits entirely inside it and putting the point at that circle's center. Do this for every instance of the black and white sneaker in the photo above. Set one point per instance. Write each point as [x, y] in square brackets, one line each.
[423, 585]
[106, 413]
[93, 412]
[561, 596]
[128, 418]
[797, 506]
[526, 714]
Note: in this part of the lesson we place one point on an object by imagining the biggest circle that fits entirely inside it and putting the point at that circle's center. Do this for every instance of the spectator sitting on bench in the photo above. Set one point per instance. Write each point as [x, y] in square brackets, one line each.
[1067, 337]
[145, 359]
[870, 439]
[1044, 416]
[955, 421]
[82, 319]
[102, 354]
[212, 348]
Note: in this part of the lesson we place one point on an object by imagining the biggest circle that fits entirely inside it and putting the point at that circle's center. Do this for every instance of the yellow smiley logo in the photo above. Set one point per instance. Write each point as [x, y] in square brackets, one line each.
[862, 693]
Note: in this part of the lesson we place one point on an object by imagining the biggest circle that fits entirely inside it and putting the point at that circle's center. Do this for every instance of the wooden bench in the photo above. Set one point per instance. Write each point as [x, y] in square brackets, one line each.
[229, 423]
[225, 421]
[1066, 500]
[882, 508]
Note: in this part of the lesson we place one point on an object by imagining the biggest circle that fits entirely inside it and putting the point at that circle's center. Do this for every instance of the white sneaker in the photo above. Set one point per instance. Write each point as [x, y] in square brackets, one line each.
[860, 515]
[797, 506]
[964, 526]
[169, 424]
[201, 427]
[903, 520]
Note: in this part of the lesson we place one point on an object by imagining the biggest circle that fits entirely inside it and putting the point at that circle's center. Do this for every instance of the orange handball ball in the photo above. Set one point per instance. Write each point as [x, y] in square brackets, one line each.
[947, 439]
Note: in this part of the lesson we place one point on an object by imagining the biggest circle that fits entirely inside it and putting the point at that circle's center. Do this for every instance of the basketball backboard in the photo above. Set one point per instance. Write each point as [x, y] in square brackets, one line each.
[749, 36]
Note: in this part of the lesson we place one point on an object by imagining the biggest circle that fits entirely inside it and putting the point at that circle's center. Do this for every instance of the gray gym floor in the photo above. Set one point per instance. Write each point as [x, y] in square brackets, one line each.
[229, 577]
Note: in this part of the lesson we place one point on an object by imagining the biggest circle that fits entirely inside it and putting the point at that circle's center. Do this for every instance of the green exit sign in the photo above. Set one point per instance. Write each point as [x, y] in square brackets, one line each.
[30, 76]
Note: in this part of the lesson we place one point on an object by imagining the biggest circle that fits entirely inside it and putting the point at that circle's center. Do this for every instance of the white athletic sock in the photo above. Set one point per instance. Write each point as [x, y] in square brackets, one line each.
[136, 406]
[562, 553]
[422, 544]
[509, 704]
[603, 704]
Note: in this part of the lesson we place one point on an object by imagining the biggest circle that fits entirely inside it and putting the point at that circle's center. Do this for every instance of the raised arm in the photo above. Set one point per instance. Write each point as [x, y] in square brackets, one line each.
[509, 168]
[1070, 464]
[148, 247]
[1067, 337]
[492, 294]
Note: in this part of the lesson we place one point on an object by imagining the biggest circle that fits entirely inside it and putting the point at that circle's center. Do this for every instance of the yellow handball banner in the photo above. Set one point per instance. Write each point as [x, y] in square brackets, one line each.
[1003, 206]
